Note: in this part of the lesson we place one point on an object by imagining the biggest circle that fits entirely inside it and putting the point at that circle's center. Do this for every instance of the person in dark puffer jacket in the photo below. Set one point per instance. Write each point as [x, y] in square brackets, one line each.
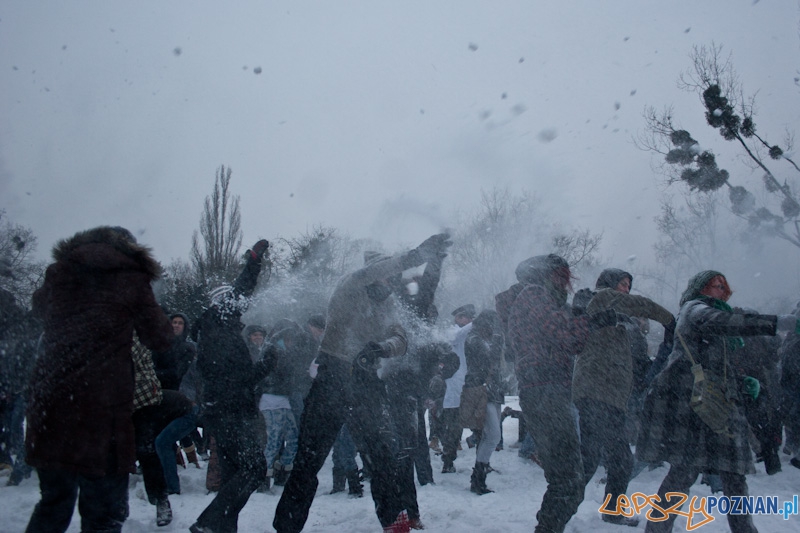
[230, 410]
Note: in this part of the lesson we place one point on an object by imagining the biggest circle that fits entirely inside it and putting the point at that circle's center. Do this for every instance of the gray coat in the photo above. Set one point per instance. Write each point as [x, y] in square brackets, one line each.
[671, 430]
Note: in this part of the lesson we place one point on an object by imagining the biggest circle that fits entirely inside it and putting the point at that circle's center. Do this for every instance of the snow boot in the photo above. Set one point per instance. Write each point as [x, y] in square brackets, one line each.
[263, 488]
[163, 512]
[620, 520]
[356, 489]
[448, 467]
[191, 455]
[400, 525]
[339, 479]
[772, 462]
[477, 482]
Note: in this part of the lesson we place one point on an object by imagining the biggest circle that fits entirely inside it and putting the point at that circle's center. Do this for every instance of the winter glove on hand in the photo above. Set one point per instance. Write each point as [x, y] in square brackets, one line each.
[430, 249]
[259, 249]
[788, 323]
[603, 319]
[751, 387]
[368, 357]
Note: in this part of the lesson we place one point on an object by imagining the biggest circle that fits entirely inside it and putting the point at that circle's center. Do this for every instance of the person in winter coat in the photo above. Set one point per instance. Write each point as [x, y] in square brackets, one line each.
[154, 408]
[407, 380]
[275, 406]
[602, 383]
[230, 408]
[417, 297]
[305, 350]
[450, 427]
[80, 433]
[19, 334]
[758, 358]
[707, 332]
[790, 393]
[545, 336]
[483, 350]
[255, 336]
[171, 366]
[183, 428]
[362, 327]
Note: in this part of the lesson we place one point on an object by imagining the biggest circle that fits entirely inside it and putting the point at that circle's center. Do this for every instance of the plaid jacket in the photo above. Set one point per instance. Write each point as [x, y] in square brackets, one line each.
[671, 431]
[147, 388]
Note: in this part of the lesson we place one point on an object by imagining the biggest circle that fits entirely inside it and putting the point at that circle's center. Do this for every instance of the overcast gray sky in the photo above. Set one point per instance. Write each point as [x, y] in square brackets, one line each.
[379, 118]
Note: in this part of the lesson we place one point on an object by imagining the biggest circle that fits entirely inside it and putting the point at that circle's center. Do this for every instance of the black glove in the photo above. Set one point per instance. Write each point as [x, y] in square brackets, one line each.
[368, 357]
[261, 248]
[669, 334]
[603, 319]
[434, 245]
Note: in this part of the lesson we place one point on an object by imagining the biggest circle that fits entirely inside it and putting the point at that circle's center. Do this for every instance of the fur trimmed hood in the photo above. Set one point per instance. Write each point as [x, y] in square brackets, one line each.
[107, 248]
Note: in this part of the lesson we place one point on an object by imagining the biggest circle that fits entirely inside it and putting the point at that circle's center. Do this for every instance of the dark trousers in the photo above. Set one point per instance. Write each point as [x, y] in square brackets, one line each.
[242, 466]
[102, 502]
[341, 393]
[148, 422]
[551, 422]
[681, 478]
[405, 421]
[421, 451]
[603, 436]
[451, 430]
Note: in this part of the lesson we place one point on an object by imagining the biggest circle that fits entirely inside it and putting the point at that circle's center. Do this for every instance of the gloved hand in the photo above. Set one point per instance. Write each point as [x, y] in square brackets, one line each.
[751, 387]
[603, 319]
[261, 248]
[669, 333]
[788, 323]
[368, 357]
[431, 247]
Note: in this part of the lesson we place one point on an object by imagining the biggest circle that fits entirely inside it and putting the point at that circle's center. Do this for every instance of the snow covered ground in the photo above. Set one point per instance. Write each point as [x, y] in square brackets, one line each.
[446, 506]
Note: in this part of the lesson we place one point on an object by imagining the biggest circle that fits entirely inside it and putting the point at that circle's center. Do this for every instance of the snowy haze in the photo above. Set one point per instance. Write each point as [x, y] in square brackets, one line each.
[382, 119]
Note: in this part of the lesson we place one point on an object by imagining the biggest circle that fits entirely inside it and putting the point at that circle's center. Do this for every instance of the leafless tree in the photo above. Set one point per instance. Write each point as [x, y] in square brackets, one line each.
[217, 257]
[20, 273]
[714, 79]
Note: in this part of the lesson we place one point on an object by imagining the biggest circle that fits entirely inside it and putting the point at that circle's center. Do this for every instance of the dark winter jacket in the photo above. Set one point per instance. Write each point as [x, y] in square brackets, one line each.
[483, 350]
[304, 354]
[229, 376]
[95, 295]
[171, 365]
[502, 303]
[283, 341]
[545, 337]
[671, 431]
[413, 372]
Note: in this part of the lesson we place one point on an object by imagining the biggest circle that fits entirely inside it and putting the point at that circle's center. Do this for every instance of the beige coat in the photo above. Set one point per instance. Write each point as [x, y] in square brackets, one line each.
[604, 369]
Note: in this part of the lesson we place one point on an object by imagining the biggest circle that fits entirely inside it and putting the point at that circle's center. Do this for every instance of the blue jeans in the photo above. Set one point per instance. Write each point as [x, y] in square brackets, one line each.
[281, 428]
[165, 442]
[344, 451]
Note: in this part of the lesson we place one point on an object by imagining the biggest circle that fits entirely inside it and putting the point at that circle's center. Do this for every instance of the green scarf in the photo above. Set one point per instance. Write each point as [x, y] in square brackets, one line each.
[733, 343]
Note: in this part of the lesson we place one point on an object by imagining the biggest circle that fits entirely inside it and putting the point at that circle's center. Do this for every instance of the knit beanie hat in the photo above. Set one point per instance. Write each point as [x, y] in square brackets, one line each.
[611, 277]
[697, 283]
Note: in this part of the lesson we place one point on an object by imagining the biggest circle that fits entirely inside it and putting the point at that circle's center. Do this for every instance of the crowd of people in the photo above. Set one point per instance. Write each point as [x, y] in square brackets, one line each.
[104, 379]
